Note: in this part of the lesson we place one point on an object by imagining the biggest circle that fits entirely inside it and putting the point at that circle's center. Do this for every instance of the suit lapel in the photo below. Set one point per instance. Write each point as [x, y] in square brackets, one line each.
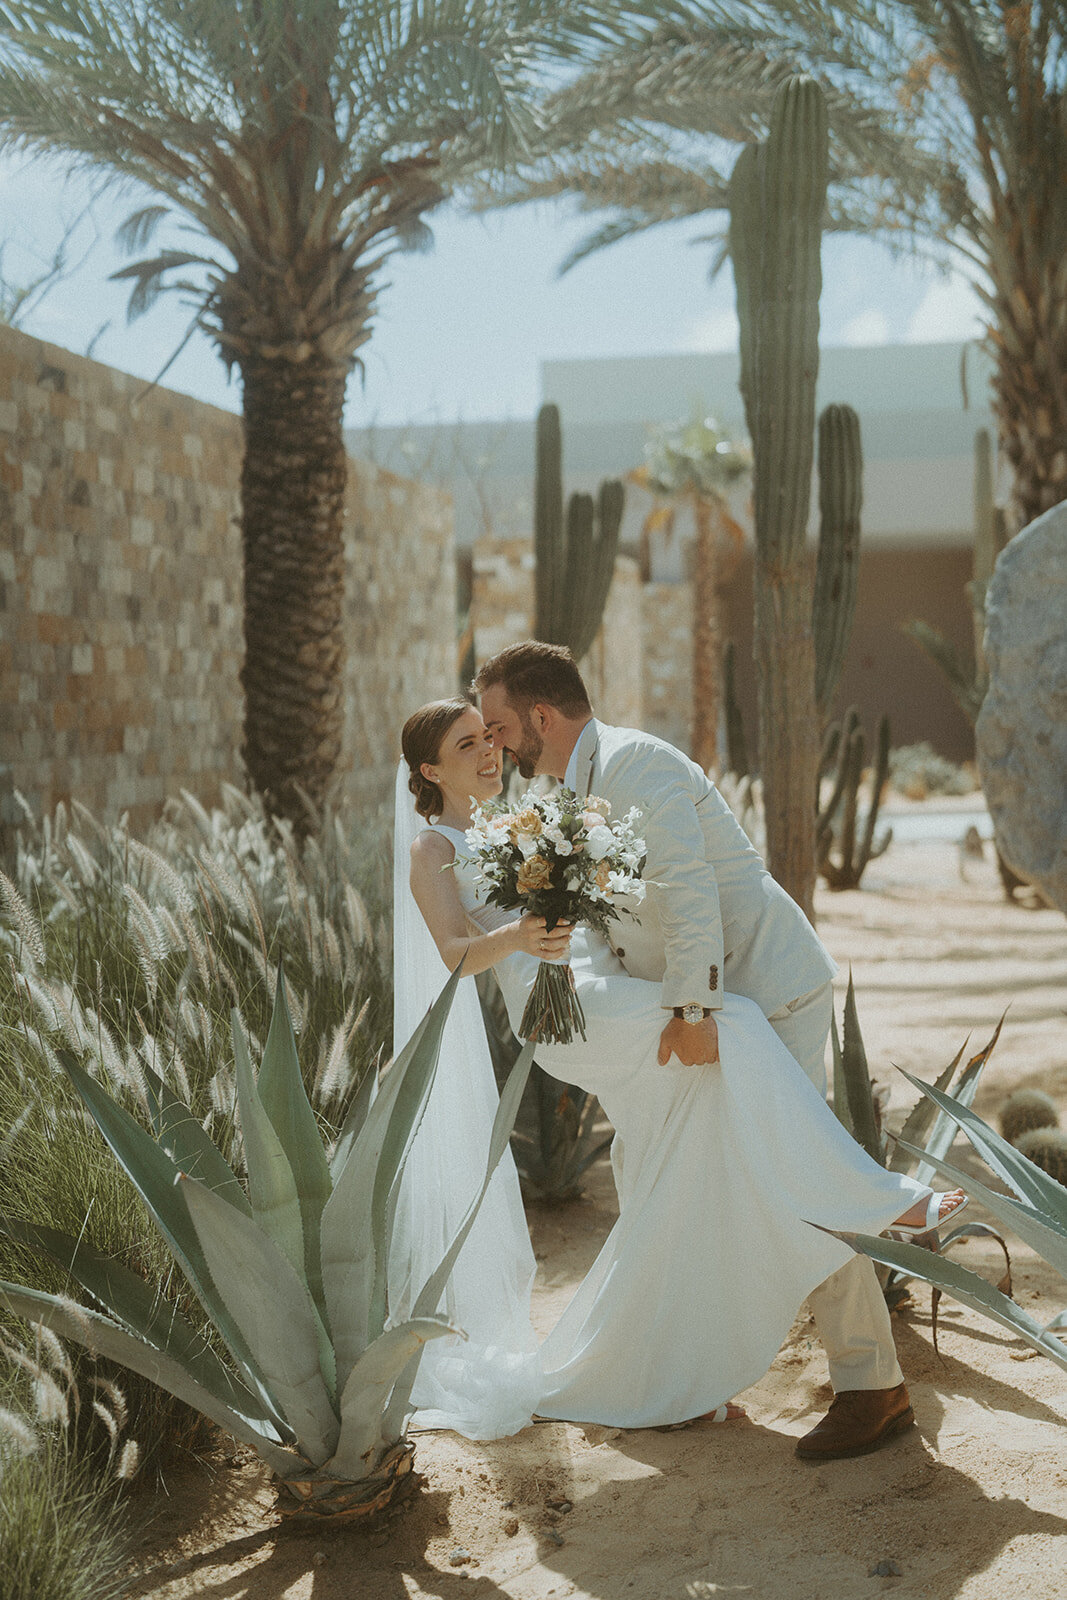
[585, 758]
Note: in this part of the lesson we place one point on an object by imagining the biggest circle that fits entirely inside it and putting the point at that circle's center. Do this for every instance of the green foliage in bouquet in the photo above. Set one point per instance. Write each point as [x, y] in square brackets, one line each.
[291, 1271]
[558, 857]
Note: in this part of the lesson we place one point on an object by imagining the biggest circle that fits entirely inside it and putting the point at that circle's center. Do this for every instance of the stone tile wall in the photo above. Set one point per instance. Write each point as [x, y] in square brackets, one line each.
[667, 631]
[120, 594]
[402, 646]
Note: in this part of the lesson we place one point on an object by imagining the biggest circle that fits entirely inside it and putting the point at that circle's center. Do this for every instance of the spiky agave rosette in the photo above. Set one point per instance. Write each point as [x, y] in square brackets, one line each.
[561, 858]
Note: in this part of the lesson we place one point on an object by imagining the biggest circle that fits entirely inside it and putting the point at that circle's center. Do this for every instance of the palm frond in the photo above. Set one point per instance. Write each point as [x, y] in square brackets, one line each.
[149, 278]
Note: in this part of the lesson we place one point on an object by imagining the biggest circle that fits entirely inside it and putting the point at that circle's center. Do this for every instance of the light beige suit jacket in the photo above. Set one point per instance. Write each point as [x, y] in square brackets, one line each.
[713, 919]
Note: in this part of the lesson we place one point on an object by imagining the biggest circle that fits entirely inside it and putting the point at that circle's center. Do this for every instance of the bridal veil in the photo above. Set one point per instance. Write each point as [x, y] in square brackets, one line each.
[487, 1385]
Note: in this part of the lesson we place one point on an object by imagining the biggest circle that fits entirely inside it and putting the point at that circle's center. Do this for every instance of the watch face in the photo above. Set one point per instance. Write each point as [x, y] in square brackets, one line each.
[693, 1013]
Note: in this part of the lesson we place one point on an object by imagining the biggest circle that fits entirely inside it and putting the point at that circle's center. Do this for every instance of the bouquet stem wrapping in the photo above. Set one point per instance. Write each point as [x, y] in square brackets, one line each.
[553, 1012]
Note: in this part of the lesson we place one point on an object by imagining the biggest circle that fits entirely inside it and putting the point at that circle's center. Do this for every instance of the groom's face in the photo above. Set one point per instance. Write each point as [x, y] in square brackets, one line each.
[512, 730]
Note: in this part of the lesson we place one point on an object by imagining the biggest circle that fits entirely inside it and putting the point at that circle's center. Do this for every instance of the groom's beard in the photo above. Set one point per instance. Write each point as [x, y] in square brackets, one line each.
[528, 753]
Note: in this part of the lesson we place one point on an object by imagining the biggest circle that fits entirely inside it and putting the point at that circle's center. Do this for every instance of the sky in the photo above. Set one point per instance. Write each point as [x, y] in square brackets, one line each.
[461, 331]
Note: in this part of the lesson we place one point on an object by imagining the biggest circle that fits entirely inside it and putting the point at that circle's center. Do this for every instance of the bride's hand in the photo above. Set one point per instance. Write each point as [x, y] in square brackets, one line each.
[536, 940]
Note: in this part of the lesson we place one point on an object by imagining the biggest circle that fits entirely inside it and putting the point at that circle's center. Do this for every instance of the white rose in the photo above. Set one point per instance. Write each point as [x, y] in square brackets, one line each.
[599, 842]
[561, 845]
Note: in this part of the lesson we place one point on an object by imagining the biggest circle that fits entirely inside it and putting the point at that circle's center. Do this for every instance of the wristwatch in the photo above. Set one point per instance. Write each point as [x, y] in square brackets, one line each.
[692, 1013]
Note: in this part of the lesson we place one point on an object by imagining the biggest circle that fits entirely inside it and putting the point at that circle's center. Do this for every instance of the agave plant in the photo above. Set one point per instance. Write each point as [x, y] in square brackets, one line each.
[1036, 1209]
[925, 1138]
[291, 1273]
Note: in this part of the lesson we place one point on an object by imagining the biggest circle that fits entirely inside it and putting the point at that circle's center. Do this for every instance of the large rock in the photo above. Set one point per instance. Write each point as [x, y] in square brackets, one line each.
[1022, 729]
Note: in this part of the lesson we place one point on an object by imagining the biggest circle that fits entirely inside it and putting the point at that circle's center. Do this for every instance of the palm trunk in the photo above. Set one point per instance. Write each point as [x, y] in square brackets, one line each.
[292, 491]
[1029, 337]
[789, 731]
[707, 636]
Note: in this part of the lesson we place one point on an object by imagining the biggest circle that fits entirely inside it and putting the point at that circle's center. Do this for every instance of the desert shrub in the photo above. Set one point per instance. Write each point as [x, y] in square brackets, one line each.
[131, 954]
[61, 1524]
[916, 770]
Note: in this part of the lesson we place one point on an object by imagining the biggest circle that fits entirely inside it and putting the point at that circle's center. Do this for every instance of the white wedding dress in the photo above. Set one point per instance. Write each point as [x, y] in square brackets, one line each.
[720, 1170]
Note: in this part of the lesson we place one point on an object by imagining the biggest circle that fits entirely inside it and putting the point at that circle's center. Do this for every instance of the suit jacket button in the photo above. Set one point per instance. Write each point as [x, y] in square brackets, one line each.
[620, 952]
[713, 978]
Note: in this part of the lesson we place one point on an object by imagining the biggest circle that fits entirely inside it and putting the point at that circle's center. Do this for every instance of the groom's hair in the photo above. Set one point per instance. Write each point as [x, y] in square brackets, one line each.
[533, 673]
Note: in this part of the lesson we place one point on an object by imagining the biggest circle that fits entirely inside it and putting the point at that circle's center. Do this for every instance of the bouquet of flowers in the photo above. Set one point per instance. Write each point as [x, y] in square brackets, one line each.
[561, 858]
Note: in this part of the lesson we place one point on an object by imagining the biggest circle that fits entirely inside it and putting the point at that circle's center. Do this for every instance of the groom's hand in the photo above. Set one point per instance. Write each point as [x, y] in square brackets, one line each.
[696, 1044]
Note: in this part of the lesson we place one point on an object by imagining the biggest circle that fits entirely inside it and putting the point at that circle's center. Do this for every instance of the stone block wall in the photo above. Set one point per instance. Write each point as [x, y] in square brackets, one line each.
[667, 630]
[401, 621]
[120, 594]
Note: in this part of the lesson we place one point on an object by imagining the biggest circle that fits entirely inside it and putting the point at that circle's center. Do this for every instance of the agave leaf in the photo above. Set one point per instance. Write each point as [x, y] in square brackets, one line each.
[430, 1295]
[400, 1130]
[355, 1117]
[275, 1203]
[1022, 1176]
[154, 1176]
[923, 1114]
[961, 1284]
[857, 1080]
[1058, 1321]
[1046, 1235]
[840, 1092]
[979, 1230]
[101, 1335]
[940, 1141]
[141, 1311]
[274, 1311]
[348, 1244]
[188, 1146]
[281, 1089]
[369, 1383]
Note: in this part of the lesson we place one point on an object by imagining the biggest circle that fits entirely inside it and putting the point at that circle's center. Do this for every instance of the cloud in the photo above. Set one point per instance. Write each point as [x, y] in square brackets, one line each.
[717, 331]
[867, 328]
[949, 310]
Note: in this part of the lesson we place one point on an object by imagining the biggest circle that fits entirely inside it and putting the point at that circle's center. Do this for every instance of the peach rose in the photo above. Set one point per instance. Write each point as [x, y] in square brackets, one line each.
[534, 874]
[528, 822]
[603, 875]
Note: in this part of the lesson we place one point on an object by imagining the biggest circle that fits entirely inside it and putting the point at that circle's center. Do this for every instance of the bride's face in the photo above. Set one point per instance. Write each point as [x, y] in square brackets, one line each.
[467, 766]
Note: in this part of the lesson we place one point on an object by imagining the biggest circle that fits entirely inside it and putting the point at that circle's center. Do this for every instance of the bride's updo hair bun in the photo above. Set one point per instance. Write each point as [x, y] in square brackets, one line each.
[421, 741]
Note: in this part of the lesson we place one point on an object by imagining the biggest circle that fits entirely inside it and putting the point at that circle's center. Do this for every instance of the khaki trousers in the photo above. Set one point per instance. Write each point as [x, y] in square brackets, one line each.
[850, 1312]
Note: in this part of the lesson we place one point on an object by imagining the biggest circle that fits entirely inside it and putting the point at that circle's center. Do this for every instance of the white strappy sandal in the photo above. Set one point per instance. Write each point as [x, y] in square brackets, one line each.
[935, 1217]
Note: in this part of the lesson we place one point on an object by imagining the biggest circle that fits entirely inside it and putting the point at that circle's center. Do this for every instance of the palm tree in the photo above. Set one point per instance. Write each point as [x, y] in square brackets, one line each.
[948, 124]
[299, 143]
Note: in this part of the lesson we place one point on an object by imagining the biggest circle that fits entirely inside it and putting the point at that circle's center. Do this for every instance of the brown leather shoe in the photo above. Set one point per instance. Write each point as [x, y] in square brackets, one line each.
[858, 1421]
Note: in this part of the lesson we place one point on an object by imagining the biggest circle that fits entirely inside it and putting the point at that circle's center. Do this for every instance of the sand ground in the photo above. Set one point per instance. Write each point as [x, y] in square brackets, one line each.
[970, 1504]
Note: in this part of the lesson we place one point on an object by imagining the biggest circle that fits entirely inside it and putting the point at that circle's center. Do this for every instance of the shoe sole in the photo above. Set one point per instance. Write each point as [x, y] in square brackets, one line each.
[892, 1429]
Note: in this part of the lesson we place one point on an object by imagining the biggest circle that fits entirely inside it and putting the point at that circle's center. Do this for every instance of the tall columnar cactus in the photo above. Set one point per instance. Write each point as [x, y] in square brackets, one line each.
[840, 461]
[836, 822]
[575, 553]
[777, 202]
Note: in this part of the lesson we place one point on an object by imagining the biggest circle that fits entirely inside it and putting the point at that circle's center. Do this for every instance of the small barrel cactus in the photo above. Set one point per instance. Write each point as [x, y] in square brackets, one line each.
[1047, 1149]
[1025, 1110]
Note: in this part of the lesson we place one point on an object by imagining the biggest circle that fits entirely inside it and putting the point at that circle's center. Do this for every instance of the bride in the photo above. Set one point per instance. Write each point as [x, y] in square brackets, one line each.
[720, 1170]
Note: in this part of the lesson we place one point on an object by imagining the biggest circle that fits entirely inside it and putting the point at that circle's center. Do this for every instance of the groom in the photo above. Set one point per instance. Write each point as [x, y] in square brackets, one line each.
[712, 919]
